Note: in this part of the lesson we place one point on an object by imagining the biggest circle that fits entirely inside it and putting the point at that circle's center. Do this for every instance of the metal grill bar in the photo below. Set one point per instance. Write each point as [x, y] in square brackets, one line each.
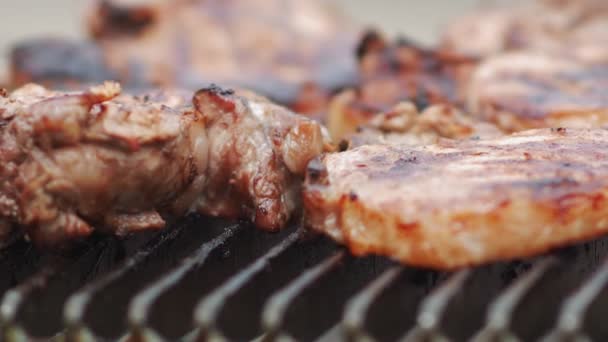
[53, 271]
[574, 309]
[274, 312]
[14, 298]
[433, 307]
[356, 309]
[207, 311]
[501, 310]
[212, 277]
[76, 305]
[141, 303]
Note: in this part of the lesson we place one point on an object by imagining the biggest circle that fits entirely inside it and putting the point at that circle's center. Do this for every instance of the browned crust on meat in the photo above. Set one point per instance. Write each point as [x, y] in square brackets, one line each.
[506, 198]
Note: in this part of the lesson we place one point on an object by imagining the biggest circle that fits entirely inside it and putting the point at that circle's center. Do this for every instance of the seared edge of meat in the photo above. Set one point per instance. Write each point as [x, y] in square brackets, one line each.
[463, 203]
[258, 156]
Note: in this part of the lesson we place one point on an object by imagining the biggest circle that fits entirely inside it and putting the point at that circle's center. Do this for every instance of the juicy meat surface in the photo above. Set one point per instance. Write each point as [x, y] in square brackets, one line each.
[271, 46]
[536, 24]
[390, 73]
[527, 89]
[460, 203]
[257, 156]
[404, 124]
[74, 161]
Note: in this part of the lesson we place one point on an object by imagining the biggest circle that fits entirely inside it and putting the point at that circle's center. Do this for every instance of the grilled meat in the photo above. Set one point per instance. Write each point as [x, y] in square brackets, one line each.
[190, 44]
[526, 89]
[538, 24]
[74, 161]
[460, 203]
[121, 163]
[257, 156]
[394, 72]
[404, 124]
[271, 46]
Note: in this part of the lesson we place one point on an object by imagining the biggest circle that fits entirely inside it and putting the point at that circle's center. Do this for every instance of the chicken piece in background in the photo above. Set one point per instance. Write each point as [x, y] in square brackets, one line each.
[537, 24]
[390, 73]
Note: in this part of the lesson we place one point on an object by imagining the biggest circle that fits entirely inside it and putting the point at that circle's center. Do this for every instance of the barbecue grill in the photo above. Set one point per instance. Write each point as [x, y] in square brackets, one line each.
[210, 279]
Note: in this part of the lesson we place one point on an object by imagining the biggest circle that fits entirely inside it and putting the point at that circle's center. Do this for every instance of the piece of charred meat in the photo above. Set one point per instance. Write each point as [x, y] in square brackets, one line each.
[75, 162]
[462, 203]
[274, 47]
[404, 124]
[390, 73]
[528, 89]
[257, 156]
[537, 24]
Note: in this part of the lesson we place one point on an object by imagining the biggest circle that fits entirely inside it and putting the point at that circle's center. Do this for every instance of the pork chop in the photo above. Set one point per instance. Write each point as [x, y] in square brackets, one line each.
[460, 203]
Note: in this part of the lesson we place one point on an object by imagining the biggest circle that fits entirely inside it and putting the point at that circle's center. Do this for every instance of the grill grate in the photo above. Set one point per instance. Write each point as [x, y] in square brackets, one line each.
[209, 279]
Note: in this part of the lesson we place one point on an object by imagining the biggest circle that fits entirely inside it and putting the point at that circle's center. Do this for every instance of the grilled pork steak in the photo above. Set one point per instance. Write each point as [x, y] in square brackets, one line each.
[460, 203]
[527, 89]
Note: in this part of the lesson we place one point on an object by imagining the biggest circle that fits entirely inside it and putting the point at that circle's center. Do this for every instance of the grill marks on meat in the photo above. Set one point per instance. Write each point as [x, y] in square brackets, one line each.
[394, 72]
[258, 156]
[539, 24]
[75, 161]
[404, 124]
[527, 89]
[460, 203]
